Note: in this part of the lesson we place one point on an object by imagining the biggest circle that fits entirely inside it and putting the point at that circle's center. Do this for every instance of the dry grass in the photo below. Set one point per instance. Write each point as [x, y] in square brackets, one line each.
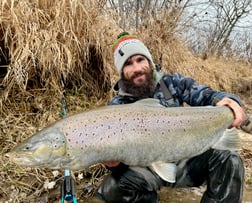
[55, 47]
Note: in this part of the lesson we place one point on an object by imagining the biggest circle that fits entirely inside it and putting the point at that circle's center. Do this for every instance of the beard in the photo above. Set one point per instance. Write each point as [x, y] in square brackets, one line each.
[145, 90]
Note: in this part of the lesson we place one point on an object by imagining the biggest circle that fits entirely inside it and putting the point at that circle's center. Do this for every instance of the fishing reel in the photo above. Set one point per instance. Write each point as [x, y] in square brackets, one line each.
[68, 188]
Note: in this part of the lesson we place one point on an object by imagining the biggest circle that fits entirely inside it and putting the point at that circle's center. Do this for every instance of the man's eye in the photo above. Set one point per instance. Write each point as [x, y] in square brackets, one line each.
[140, 59]
[127, 63]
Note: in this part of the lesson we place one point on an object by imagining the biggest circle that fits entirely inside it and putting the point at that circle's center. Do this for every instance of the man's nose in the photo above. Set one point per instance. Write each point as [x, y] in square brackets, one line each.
[136, 67]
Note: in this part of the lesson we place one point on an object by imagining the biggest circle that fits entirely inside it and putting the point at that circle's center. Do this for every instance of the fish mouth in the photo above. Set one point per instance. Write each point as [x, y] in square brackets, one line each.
[21, 160]
[33, 161]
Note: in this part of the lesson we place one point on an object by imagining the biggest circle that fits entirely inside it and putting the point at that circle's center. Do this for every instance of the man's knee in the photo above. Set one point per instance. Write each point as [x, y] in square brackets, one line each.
[226, 178]
[236, 160]
[109, 190]
[134, 185]
[226, 158]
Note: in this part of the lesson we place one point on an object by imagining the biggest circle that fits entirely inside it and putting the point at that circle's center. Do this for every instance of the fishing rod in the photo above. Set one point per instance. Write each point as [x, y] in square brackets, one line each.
[67, 187]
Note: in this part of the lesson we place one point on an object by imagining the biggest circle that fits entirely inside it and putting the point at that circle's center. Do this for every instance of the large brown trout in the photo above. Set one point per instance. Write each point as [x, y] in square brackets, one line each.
[137, 134]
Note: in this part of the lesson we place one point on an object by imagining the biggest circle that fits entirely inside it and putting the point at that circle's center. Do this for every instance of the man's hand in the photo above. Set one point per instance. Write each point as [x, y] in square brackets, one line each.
[111, 163]
[239, 114]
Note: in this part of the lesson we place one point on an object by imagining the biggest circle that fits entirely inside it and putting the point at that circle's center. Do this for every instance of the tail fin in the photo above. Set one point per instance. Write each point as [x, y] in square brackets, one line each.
[230, 140]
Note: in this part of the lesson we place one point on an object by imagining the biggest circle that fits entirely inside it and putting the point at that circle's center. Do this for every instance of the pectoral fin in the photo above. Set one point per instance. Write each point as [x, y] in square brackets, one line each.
[166, 171]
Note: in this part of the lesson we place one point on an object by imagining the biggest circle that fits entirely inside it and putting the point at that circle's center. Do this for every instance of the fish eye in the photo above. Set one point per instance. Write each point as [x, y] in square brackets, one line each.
[28, 147]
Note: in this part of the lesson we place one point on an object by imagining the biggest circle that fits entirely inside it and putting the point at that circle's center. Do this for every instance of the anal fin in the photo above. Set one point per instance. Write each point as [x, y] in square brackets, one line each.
[166, 171]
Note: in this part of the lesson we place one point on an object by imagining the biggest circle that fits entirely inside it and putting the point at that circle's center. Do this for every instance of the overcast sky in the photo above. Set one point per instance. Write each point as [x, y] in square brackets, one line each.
[202, 18]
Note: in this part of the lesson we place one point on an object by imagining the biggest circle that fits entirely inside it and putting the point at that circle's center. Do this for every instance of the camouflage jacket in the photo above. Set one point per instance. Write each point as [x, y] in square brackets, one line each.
[182, 90]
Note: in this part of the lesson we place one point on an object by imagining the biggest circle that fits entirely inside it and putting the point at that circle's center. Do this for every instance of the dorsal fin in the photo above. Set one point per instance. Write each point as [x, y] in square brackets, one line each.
[150, 102]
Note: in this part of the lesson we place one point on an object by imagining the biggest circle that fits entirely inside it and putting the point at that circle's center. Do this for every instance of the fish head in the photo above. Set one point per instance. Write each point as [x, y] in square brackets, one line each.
[43, 149]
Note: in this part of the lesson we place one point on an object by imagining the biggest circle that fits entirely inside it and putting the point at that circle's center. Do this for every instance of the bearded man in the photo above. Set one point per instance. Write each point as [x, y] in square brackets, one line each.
[221, 170]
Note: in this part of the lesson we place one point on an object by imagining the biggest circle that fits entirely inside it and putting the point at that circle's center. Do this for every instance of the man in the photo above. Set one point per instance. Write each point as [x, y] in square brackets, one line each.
[222, 170]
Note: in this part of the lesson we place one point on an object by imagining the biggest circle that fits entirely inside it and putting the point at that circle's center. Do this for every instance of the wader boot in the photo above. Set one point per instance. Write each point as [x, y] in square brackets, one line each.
[221, 170]
[135, 185]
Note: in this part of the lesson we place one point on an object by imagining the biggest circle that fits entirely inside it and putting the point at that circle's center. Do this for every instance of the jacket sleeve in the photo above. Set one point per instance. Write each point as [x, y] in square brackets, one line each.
[116, 100]
[120, 99]
[188, 91]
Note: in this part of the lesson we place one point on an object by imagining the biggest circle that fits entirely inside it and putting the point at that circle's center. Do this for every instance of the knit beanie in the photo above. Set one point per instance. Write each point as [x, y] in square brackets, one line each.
[126, 46]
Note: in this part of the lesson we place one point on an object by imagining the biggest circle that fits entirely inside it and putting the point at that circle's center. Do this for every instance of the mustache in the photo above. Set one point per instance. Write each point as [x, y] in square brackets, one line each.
[138, 73]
